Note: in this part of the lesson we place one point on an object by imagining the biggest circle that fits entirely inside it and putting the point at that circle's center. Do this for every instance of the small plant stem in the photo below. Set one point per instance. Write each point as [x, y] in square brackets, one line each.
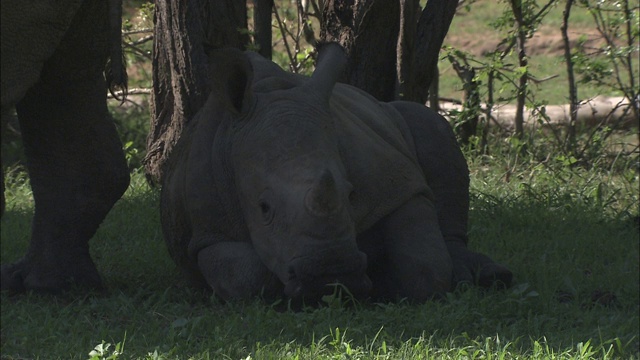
[573, 91]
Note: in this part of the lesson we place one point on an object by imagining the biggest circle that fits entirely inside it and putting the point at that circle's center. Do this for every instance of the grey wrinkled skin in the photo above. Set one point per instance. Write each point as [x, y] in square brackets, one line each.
[285, 185]
[54, 55]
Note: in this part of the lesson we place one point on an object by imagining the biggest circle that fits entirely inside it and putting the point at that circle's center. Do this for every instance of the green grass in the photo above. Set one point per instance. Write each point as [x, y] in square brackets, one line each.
[567, 234]
[483, 12]
[553, 90]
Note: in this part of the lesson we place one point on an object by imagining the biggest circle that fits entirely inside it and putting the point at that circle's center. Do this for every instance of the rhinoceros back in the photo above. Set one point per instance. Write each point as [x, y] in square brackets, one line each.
[378, 153]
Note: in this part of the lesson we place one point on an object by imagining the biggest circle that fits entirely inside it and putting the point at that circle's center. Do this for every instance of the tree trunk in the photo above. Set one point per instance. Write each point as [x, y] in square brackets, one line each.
[368, 30]
[406, 47]
[185, 31]
[262, 26]
[392, 55]
[523, 81]
[434, 90]
[573, 91]
[431, 30]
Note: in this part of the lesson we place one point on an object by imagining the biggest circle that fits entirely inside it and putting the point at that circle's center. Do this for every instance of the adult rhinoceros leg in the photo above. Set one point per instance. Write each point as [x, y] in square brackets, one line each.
[234, 271]
[448, 176]
[77, 172]
[74, 158]
[409, 258]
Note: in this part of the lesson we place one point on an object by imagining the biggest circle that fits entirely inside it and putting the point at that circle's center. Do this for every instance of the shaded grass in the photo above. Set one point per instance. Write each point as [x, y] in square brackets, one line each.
[575, 261]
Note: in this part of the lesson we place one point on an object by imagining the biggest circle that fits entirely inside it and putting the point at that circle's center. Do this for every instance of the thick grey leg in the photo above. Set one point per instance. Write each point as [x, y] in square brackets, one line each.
[74, 158]
[447, 174]
[77, 172]
[234, 271]
[412, 260]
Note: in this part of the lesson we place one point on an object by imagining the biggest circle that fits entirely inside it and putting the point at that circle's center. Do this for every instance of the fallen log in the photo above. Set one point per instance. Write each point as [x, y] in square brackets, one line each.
[597, 111]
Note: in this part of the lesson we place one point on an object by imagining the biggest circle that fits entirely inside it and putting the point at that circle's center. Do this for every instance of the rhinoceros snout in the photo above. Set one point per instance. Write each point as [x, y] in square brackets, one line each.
[312, 290]
[310, 280]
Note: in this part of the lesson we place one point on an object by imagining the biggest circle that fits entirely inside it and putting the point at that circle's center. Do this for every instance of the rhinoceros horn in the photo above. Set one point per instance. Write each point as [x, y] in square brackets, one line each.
[331, 63]
[322, 199]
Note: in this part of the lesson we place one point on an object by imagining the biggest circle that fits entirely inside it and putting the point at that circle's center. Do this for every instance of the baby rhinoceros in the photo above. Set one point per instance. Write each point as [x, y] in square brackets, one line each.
[287, 185]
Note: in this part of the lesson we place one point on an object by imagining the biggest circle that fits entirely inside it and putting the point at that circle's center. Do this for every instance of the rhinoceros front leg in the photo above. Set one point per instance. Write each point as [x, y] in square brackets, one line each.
[234, 271]
[409, 257]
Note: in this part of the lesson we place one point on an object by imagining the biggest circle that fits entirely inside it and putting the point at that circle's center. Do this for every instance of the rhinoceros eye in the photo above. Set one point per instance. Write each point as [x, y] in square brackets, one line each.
[352, 196]
[266, 211]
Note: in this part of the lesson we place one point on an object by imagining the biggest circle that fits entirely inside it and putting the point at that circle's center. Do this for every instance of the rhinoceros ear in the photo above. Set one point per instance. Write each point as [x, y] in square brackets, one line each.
[231, 75]
[331, 63]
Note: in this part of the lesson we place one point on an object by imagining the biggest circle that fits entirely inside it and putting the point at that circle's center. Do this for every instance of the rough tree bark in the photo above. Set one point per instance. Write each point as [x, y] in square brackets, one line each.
[523, 81]
[262, 10]
[573, 91]
[405, 48]
[432, 28]
[368, 31]
[185, 31]
[392, 55]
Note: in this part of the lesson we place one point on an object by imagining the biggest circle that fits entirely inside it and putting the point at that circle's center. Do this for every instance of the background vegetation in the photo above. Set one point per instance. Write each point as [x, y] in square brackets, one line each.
[565, 222]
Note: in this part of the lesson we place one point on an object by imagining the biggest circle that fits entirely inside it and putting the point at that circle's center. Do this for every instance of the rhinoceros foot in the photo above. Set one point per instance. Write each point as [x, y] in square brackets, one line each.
[475, 268]
[494, 274]
[54, 277]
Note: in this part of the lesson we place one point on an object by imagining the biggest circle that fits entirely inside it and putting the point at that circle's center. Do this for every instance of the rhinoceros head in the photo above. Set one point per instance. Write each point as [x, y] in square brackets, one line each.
[292, 185]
